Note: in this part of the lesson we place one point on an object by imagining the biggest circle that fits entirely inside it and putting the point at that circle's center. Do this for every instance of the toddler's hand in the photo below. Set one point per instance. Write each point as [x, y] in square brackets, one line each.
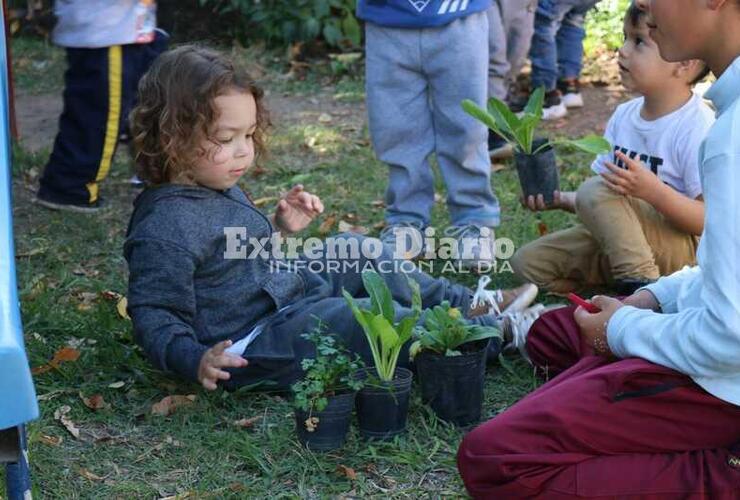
[635, 180]
[211, 364]
[297, 209]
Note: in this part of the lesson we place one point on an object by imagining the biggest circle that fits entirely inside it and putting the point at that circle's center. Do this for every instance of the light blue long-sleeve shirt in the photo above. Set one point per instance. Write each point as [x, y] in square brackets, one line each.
[698, 332]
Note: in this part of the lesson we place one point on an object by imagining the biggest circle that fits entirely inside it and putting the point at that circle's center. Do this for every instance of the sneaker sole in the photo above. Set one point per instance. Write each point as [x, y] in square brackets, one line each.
[523, 300]
[573, 100]
[554, 112]
[66, 208]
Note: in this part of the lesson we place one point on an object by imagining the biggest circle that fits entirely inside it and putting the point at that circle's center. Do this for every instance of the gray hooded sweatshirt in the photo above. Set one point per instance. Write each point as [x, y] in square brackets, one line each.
[184, 295]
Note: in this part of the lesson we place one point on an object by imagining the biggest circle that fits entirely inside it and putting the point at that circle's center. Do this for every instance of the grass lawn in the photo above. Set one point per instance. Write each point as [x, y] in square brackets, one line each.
[70, 267]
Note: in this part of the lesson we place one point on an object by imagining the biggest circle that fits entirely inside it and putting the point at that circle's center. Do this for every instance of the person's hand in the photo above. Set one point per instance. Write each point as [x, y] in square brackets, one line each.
[642, 299]
[565, 200]
[593, 326]
[214, 359]
[296, 209]
[635, 180]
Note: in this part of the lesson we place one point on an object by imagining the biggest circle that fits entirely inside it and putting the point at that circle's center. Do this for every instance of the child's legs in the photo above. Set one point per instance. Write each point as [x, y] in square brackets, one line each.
[543, 52]
[562, 261]
[461, 141]
[498, 63]
[570, 40]
[400, 120]
[617, 226]
[554, 342]
[347, 274]
[275, 355]
[623, 429]
[88, 126]
[518, 20]
[672, 248]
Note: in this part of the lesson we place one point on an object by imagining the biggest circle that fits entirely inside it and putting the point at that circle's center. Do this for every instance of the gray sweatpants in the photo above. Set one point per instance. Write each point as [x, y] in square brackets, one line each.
[510, 29]
[275, 355]
[416, 80]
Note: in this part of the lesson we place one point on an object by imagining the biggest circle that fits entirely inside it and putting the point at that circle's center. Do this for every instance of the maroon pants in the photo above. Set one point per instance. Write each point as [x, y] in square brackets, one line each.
[600, 428]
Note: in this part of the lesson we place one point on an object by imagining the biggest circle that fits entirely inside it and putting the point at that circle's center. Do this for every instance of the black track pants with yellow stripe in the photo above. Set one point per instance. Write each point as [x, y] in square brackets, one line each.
[99, 91]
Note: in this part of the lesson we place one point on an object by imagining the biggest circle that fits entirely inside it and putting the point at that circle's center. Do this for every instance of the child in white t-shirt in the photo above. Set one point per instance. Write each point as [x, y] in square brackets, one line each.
[637, 224]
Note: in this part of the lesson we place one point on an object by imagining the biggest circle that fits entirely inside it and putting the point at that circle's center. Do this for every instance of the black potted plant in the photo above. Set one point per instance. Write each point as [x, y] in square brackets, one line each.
[534, 157]
[325, 397]
[450, 358]
[382, 404]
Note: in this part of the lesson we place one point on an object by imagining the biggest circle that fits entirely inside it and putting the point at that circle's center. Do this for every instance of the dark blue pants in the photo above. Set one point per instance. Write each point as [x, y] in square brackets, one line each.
[99, 93]
[275, 355]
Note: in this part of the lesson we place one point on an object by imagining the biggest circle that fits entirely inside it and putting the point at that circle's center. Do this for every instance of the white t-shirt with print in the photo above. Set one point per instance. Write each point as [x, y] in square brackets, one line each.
[669, 146]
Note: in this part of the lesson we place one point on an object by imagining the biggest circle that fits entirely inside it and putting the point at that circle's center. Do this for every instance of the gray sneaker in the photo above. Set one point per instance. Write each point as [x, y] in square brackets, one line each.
[405, 240]
[475, 246]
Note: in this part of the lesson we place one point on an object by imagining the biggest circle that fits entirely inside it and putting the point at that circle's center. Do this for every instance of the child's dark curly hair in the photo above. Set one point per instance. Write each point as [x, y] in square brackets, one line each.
[176, 108]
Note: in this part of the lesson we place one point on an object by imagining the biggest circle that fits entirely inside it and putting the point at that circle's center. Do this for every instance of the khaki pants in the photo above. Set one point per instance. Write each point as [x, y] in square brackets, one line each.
[619, 237]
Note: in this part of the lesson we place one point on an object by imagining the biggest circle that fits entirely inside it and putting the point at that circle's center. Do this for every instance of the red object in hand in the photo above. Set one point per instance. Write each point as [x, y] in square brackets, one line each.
[583, 303]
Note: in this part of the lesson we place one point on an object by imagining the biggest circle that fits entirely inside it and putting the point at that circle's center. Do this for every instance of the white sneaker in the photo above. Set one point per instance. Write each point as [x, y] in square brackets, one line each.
[515, 327]
[573, 100]
[498, 302]
[555, 112]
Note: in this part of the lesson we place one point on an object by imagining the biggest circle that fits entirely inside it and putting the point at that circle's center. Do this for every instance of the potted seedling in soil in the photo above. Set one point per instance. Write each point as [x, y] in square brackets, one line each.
[382, 405]
[325, 397]
[534, 158]
[450, 358]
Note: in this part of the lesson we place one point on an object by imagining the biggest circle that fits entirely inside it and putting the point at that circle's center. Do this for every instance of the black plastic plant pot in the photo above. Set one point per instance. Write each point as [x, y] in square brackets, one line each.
[332, 424]
[382, 407]
[453, 385]
[538, 173]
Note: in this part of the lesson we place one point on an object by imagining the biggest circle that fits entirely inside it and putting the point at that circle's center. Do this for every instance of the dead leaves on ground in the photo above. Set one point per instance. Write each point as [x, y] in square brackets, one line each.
[169, 404]
[247, 423]
[95, 402]
[60, 415]
[63, 355]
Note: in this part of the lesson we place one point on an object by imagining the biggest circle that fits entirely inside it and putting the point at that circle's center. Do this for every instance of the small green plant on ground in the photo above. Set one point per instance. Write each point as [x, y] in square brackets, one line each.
[331, 372]
[445, 330]
[520, 131]
[385, 335]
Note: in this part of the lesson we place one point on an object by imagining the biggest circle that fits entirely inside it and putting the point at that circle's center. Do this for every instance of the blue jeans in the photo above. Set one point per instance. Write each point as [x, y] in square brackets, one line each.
[557, 44]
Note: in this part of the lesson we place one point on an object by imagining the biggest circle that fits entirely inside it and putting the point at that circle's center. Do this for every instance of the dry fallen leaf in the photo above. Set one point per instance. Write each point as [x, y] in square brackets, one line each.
[169, 404]
[121, 308]
[346, 227]
[117, 385]
[89, 475]
[87, 299]
[95, 402]
[51, 440]
[347, 472]
[378, 203]
[63, 355]
[328, 224]
[497, 167]
[247, 423]
[111, 295]
[60, 415]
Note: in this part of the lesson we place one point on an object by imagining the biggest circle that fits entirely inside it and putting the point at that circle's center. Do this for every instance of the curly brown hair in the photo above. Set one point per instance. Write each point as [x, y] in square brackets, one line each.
[176, 109]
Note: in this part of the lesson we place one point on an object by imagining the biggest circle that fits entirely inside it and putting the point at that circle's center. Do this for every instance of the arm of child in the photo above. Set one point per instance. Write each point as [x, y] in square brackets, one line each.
[161, 303]
[296, 209]
[702, 340]
[636, 180]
